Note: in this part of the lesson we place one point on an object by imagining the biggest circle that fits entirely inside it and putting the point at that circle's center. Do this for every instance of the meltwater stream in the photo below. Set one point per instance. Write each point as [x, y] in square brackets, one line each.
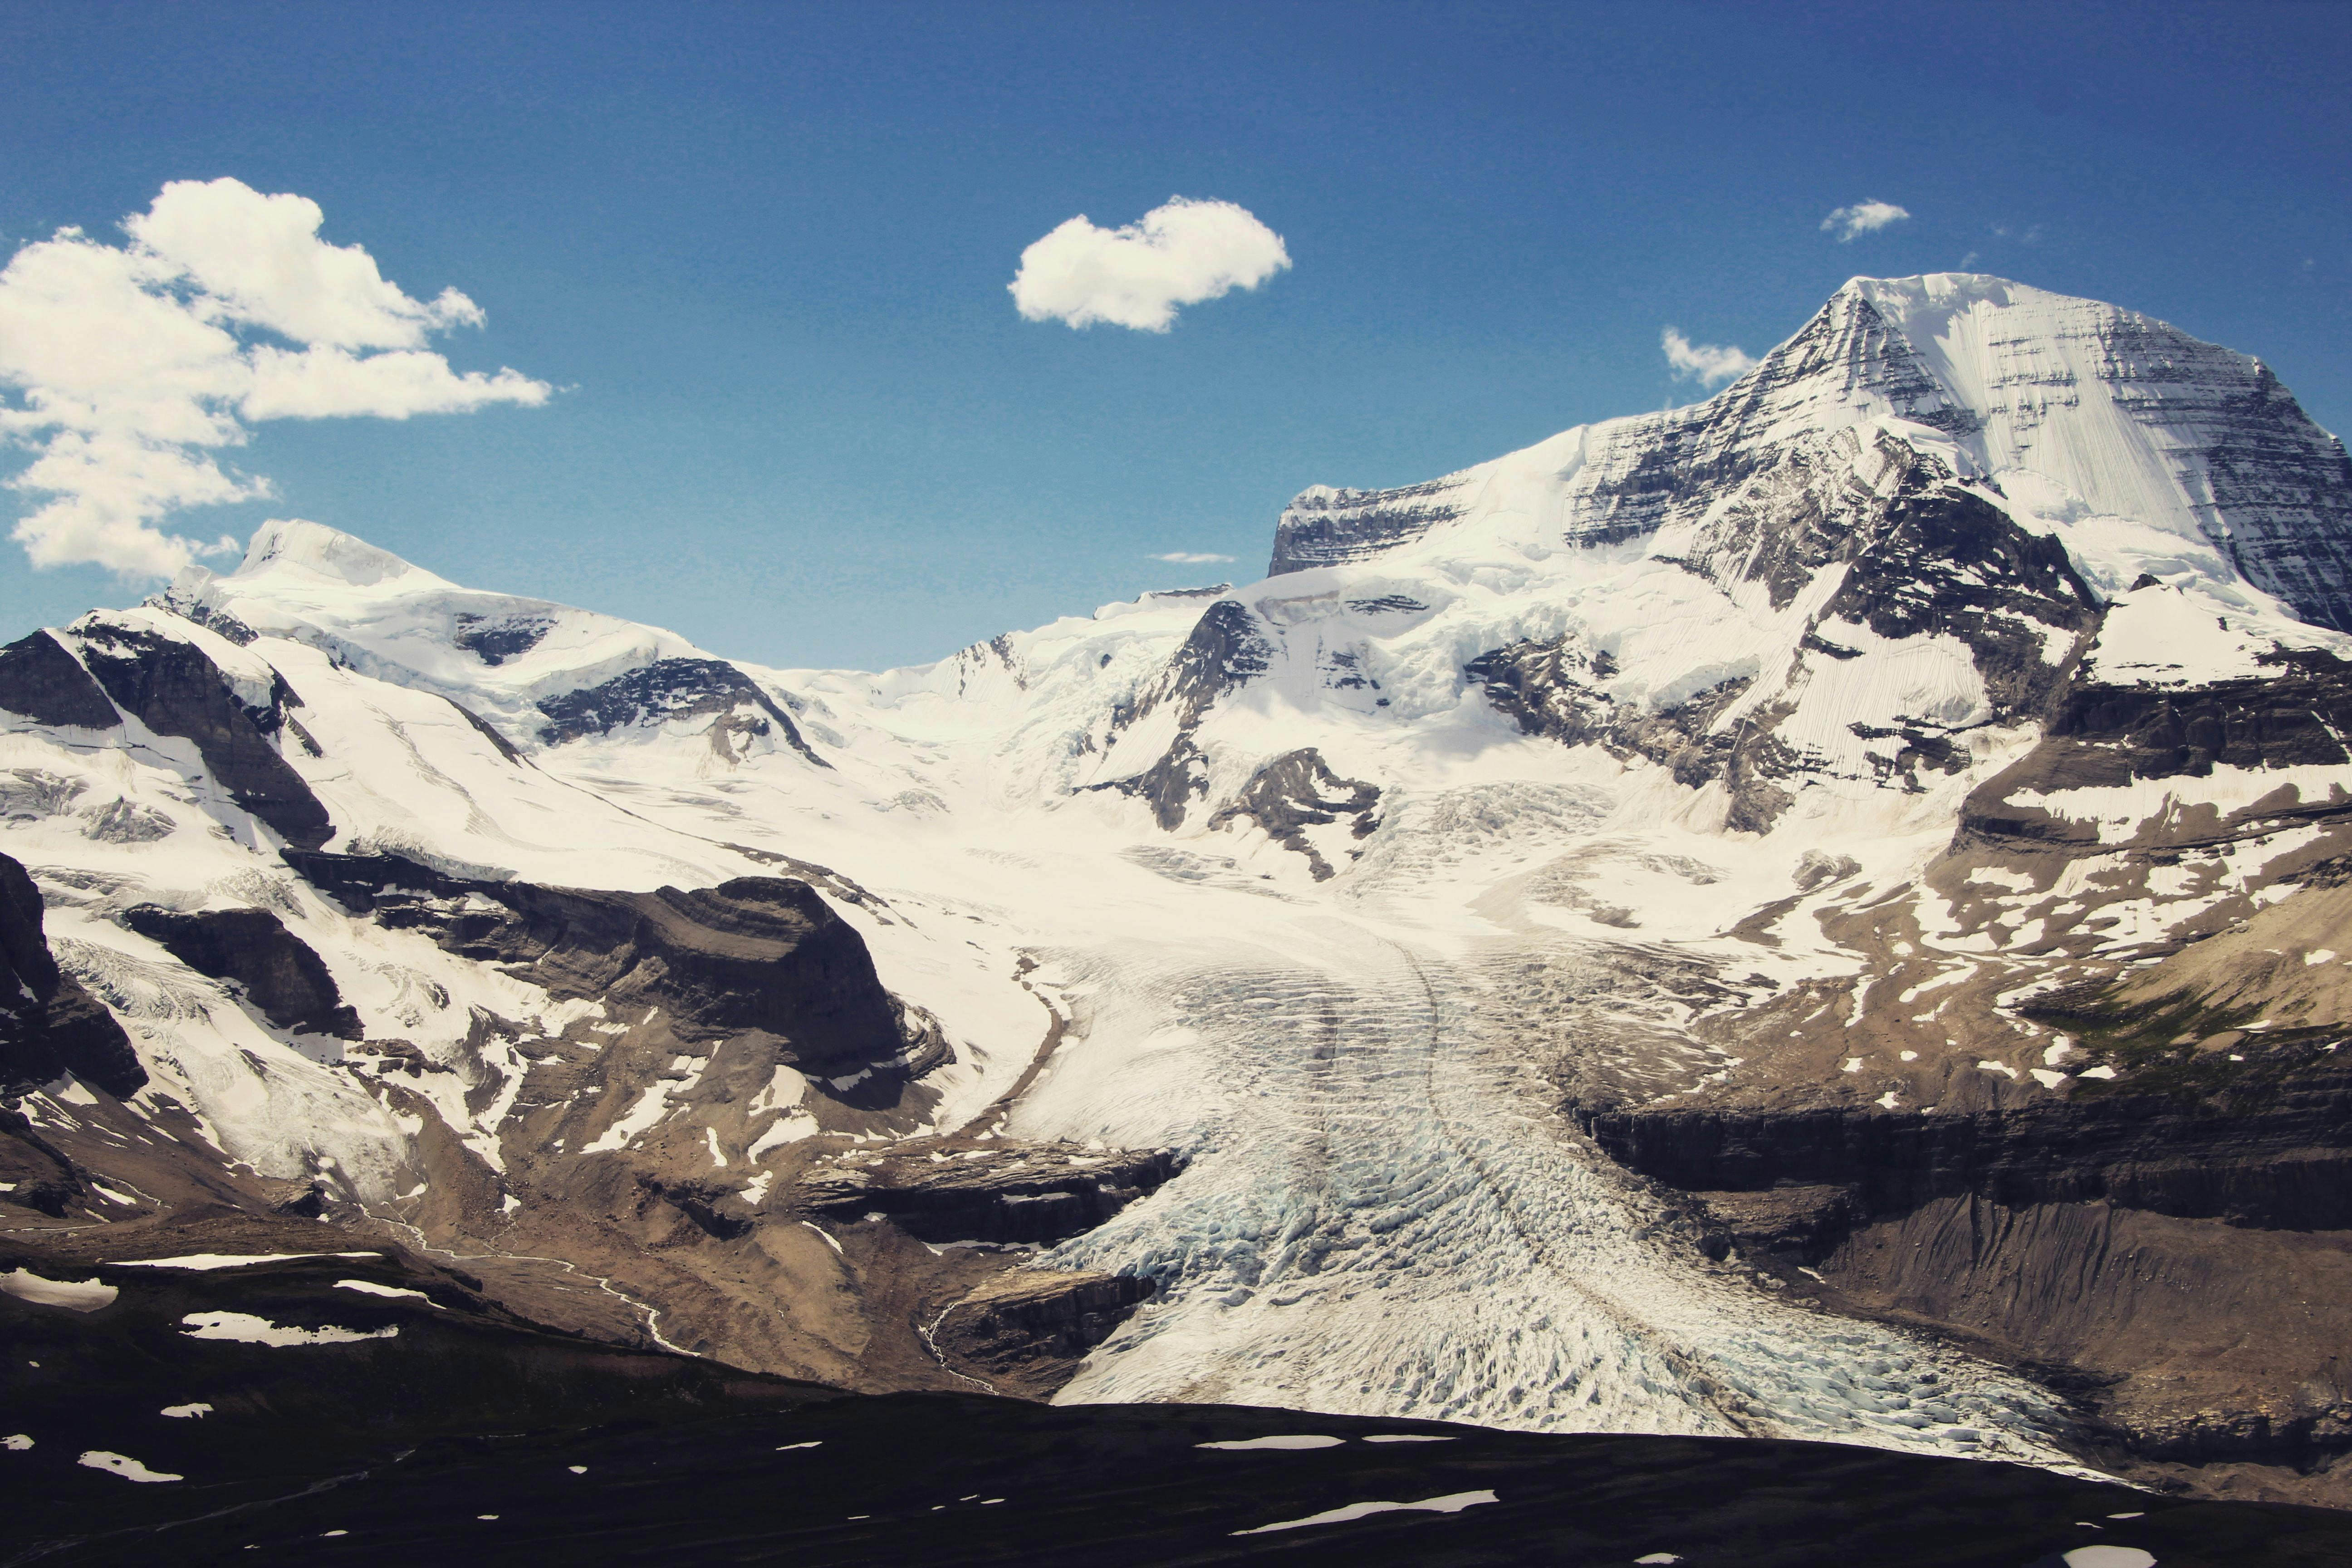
[1380, 1219]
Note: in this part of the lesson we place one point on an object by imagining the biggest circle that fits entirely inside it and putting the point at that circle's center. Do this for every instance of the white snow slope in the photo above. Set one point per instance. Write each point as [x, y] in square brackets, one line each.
[1382, 1212]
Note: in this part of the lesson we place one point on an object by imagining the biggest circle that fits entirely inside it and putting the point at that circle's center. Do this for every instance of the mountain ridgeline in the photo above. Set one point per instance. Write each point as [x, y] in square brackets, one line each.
[1817, 914]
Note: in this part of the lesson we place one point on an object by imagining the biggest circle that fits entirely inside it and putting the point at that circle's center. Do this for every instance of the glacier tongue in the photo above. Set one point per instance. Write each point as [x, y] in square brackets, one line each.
[1383, 1216]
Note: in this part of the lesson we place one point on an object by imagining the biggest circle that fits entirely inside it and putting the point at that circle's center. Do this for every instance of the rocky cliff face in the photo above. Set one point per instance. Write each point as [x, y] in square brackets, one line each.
[41, 680]
[667, 691]
[277, 970]
[1327, 527]
[49, 1026]
[171, 686]
[759, 955]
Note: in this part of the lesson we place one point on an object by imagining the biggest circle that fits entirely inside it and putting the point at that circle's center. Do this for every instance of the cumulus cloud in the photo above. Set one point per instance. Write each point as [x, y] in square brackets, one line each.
[1861, 218]
[1711, 364]
[1138, 276]
[1191, 558]
[133, 366]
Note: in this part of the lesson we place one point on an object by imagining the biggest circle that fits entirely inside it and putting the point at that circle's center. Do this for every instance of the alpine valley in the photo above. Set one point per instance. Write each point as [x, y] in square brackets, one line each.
[1822, 914]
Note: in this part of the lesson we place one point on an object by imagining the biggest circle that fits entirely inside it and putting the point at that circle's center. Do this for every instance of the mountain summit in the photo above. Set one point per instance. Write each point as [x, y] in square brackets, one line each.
[2081, 413]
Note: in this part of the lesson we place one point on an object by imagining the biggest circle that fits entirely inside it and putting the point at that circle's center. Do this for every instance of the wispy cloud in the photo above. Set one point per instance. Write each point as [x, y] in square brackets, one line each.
[1191, 558]
[1862, 219]
[1711, 364]
[1176, 255]
[132, 365]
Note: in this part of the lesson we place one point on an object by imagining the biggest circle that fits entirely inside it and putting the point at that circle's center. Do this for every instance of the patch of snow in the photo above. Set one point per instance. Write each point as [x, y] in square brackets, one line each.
[244, 1328]
[789, 1128]
[128, 1469]
[370, 1288]
[187, 1412]
[1253, 1445]
[1452, 1502]
[2109, 1556]
[86, 1296]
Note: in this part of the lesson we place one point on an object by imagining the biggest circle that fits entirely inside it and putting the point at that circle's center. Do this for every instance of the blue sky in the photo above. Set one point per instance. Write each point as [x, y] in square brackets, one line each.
[762, 254]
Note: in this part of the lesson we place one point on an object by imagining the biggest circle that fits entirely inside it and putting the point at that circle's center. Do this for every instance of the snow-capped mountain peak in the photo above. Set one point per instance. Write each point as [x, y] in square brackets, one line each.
[2153, 451]
[286, 548]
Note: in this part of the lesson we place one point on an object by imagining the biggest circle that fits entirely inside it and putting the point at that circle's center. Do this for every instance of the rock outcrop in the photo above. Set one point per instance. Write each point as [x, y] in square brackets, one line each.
[1028, 1193]
[1324, 527]
[173, 689]
[1298, 791]
[48, 1024]
[1227, 648]
[1026, 1329]
[275, 969]
[665, 692]
[41, 680]
[2264, 1142]
[756, 954]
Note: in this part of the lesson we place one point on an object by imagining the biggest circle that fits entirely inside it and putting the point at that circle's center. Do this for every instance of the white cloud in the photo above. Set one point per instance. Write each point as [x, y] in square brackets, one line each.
[1177, 255]
[1191, 558]
[132, 365]
[1711, 364]
[1861, 218]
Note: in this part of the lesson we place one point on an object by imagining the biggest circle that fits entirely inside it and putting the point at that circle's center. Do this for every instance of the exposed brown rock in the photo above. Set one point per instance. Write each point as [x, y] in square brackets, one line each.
[1004, 1191]
[1025, 1330]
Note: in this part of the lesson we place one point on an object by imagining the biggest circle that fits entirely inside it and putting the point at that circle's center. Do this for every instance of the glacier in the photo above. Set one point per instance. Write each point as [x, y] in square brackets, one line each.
[1317, 880]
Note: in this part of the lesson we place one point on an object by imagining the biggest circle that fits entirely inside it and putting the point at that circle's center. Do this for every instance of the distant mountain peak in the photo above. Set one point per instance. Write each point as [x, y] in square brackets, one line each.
[291, 546]
[2079, 410]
